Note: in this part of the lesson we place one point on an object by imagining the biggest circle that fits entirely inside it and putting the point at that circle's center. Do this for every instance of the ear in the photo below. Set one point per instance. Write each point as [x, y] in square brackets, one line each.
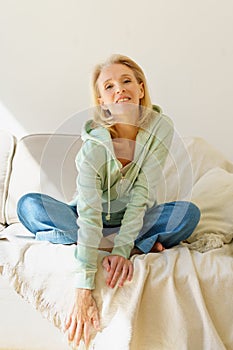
[100, 100]
[101, 103]
[141, 90]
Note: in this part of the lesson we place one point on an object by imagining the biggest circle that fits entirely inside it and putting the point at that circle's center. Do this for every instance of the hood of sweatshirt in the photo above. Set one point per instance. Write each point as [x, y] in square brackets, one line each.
[89, 133]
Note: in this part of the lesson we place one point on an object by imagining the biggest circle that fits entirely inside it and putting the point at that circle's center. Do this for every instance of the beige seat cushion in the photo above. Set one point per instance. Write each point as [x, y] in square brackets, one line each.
[43, 163]
[7, 146]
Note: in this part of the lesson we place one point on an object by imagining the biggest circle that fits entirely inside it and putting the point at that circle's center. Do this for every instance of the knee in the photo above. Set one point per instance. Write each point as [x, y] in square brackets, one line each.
[26, 203]
[193, 214]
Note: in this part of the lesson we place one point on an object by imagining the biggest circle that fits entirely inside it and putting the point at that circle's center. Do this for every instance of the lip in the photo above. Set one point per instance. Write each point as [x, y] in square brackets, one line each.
[123, 97]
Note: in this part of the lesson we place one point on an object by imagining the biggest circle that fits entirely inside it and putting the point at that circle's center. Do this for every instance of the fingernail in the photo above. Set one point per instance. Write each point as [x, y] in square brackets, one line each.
[97, 325]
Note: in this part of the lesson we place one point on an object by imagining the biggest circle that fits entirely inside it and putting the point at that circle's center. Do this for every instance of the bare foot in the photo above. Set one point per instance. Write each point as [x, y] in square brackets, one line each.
[157, 247]
[135, 251]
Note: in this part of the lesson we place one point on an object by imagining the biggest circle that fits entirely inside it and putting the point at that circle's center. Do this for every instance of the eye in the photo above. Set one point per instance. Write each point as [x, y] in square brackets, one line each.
[127, 80]
[108, 86]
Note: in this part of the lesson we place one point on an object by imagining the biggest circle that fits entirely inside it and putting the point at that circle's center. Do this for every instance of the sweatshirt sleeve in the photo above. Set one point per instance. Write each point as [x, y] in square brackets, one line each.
[143, 194]
[89, 220]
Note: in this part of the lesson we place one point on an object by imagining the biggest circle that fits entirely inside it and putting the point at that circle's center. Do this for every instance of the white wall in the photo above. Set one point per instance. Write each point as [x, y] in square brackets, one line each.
[48, 49]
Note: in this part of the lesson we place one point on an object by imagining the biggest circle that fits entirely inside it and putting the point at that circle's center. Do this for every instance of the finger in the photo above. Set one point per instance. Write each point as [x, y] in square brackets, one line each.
[96, 325]
[127, 273]
[113, 266]
[106, 264]
[79, 333]
[67, 323]
[124, 275]
[96, 320]
[130, 273]
[116, 276]
[86, 333]
[72, 329]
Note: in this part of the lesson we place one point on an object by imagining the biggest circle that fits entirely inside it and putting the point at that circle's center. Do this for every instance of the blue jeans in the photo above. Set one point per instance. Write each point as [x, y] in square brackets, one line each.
[55, 221]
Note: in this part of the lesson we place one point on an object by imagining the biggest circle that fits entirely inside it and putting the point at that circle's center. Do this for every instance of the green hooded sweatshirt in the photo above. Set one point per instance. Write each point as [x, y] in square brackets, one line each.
[110, 194]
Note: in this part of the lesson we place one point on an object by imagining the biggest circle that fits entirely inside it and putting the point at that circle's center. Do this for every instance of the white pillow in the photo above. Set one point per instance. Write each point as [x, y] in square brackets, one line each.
[189, 158]
[213, 194]
[43, 163]
[7, 147]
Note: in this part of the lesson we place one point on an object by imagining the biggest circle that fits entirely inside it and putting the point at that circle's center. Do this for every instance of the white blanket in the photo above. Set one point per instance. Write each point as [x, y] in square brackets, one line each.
[178, 299]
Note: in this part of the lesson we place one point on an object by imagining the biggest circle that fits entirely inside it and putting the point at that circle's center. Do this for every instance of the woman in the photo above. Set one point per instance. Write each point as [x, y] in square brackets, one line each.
[119, 166]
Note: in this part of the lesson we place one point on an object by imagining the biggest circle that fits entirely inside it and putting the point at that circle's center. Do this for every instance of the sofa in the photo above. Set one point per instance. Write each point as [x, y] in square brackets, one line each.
[179, 299]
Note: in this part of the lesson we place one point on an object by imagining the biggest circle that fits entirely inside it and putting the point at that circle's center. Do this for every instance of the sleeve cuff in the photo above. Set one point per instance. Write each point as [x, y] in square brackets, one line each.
[84, 280]
[123, 250]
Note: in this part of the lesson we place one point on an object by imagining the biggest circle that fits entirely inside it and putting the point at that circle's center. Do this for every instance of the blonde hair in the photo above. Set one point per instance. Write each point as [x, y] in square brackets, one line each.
[101, 117]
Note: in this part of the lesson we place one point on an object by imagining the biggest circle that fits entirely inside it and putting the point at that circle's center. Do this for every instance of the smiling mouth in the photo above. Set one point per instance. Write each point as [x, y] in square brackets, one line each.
[125, 99]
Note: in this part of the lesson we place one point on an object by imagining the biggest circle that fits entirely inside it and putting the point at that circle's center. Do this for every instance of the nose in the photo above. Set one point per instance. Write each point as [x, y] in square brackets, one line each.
[120, 88]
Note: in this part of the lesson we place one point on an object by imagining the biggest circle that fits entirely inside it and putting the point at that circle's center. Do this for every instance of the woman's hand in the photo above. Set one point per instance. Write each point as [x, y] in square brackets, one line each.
[83, 316]
[118, 268]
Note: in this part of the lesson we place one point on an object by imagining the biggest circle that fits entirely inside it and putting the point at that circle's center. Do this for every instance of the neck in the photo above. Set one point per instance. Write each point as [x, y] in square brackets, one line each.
[126, 131]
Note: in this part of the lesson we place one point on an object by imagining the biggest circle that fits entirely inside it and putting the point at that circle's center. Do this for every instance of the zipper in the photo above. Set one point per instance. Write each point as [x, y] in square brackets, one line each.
[122, 179]
[121, 183]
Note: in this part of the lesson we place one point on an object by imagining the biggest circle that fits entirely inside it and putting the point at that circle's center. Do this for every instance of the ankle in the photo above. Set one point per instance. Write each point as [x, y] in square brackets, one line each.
[135, 250]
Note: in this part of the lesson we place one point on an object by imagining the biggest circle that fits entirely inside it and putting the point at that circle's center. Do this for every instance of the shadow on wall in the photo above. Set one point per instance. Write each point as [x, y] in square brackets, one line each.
[9, 123]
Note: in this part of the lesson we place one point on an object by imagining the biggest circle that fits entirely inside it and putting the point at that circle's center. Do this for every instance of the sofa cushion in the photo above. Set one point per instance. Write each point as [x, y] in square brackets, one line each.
[213, 194]
[189, 158]
[43, 163]
[7, 146]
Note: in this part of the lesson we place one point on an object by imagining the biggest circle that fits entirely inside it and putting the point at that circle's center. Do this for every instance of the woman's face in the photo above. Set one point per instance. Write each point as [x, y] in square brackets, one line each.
[118, 87]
